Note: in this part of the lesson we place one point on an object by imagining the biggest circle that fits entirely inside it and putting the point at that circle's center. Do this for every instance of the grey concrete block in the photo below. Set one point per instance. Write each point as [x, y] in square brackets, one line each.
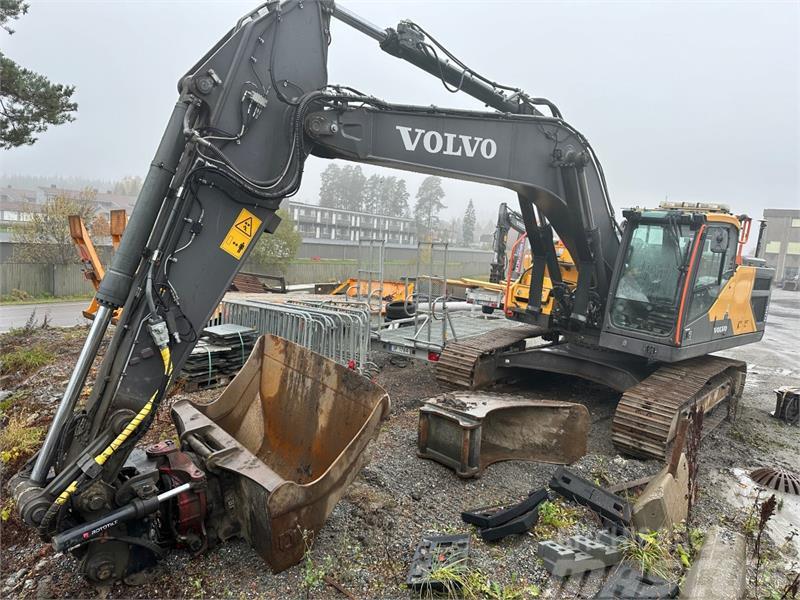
[609, 539]
[588, 545]
[566, 568]
[719, 571]
[582, 553]
[554, 552]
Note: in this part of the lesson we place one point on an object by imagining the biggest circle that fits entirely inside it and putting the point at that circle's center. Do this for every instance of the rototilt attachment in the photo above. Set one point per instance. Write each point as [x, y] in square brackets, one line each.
[284, 440]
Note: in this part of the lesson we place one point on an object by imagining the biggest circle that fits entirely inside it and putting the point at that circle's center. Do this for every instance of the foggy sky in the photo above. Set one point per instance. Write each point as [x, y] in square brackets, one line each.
[690, 101]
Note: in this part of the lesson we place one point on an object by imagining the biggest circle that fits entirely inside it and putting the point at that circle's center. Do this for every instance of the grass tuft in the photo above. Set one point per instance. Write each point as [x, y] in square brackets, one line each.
[652, 552]
[25, 359]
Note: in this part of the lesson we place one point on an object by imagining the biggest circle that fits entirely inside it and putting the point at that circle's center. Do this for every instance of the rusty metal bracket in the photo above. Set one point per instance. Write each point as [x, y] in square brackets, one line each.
[468, 431]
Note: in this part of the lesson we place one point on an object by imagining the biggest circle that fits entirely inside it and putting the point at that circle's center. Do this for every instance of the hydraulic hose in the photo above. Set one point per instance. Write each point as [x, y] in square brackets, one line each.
[103, 457]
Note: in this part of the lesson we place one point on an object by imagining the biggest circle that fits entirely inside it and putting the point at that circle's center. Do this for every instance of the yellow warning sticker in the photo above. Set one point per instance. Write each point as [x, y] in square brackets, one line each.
[241, 234]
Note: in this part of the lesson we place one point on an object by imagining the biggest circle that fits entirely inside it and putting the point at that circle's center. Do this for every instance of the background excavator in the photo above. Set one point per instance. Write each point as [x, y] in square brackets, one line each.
[650, 300]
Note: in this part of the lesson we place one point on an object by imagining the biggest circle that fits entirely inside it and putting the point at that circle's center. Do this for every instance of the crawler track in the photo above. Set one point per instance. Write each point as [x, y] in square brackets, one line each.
[646, 416]
[469, 363]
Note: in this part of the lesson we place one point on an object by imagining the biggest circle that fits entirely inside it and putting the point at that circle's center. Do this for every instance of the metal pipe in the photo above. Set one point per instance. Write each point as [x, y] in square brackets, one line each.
[71, 393]
[394, 43]
[357, 22]
[136, 509]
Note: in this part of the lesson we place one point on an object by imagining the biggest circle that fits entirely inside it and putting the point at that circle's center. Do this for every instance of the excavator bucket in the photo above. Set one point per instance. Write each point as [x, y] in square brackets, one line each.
[289, 434]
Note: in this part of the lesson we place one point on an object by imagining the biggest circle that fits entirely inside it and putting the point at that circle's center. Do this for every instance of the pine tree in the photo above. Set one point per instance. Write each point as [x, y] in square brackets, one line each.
[398, 206]
[468, 225]
[29, 103]
[352, 188]
[329, 186]
[373, 192]
[429, 203]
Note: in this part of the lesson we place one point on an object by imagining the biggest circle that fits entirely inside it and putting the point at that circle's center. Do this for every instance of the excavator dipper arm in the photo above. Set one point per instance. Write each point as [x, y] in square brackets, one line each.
[507, 220]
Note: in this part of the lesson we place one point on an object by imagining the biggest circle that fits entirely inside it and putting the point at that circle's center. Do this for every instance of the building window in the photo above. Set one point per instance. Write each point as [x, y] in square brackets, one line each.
[793, 248]
[795, 222]
[773, 248]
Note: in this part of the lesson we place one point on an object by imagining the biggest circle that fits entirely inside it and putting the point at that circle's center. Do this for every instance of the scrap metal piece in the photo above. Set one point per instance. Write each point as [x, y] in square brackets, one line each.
[787, 405]
[286, 438]
[492, 516]
[468, 431]
[628, 582]
[520, 524]
[777, 479]
[576, 488]
[433, 553]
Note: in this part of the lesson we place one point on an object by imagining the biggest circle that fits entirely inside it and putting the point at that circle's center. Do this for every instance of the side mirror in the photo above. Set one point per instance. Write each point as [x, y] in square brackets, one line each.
[719, 240]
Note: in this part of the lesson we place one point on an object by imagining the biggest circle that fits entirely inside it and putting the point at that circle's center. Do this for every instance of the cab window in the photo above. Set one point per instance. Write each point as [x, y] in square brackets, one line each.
[646, 298]
[715, 268]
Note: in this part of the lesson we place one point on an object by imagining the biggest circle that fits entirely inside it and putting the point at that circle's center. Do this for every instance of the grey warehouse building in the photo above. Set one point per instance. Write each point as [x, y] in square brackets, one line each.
[780, 244]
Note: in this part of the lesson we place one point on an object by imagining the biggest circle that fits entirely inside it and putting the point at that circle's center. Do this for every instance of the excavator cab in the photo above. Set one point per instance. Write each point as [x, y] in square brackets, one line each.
[681, 288]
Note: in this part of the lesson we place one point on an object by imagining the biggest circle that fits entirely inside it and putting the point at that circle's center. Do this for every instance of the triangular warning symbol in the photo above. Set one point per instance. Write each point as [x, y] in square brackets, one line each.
[246, 226]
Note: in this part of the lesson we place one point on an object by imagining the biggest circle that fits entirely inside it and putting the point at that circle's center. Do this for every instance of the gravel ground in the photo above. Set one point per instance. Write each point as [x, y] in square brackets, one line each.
[367, 542]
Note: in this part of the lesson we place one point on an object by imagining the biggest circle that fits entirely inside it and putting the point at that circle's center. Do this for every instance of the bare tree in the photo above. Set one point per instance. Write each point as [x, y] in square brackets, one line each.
[45, 237]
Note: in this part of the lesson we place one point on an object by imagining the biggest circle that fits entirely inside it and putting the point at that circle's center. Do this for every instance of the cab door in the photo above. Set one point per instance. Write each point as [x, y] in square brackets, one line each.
[717, 302]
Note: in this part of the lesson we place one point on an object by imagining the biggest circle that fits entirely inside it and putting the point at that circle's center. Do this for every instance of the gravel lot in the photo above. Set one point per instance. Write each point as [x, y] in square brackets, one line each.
[369, 538]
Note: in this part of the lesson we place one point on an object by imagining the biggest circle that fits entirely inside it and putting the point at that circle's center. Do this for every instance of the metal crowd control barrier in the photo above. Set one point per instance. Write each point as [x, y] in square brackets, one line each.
[337, 330]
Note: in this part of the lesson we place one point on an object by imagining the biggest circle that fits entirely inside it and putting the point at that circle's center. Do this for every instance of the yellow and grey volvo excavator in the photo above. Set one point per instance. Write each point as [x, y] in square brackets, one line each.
[648, 302]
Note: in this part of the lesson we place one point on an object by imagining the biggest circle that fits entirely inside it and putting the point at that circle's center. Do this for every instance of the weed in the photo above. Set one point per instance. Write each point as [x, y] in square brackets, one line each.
[456, 580]
[792, 588]
[765, 513]
[651, 552]
[18, 440]
[600, 473]
[695, 537]
[19, 295]
[25, 360]
[197, 585]
[24, 331]
[684, 556]
[313, 574]
[693, 441]
[553, 516]
[6, 509]
[453, 580]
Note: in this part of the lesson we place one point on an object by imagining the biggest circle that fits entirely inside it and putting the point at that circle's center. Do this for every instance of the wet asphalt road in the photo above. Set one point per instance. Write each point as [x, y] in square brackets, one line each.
[60, 314]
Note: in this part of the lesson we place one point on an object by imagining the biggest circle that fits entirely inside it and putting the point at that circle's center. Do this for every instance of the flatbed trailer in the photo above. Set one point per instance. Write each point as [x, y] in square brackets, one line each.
[431, 336]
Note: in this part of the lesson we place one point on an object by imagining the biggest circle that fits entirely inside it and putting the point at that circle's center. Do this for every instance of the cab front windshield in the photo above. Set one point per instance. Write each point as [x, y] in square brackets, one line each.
[646, 298]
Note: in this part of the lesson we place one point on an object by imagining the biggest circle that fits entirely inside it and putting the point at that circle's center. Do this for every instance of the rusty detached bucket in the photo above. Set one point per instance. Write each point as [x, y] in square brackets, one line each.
[285, 438]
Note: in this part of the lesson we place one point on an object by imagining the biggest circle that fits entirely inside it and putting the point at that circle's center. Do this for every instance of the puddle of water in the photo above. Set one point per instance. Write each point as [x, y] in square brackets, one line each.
[742, 492]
